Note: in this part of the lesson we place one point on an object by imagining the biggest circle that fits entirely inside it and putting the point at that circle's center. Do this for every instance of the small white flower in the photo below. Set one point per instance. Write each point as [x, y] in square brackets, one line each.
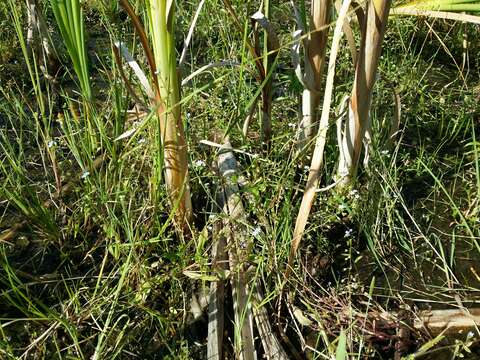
[354, 194]
[292, 125]
[348, 233]
[199, 163]
[85, 174]
[470, 334]
[51, 143]
[256, 231]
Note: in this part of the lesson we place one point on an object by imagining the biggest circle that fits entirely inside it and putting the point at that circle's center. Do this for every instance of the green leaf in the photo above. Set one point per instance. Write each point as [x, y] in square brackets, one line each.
[69, 17]
[341, 353]
[427, 346]
[199, 276]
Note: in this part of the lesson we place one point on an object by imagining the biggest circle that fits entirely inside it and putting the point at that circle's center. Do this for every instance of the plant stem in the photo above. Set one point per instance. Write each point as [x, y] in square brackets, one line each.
[358, 121]
[171, 135]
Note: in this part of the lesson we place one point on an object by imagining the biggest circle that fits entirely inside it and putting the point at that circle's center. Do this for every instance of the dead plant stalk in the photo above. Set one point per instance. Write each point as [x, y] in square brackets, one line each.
[315, 48]
[357, 128]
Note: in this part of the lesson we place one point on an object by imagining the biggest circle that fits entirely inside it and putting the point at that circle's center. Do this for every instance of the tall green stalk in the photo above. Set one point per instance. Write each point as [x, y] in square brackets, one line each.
[171, 135]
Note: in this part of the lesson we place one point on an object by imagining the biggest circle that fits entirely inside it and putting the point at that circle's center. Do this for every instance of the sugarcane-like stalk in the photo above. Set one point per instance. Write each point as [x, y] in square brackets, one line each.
[172, 136]
[239, 246]
[358, 120]
[317, 158]
[38, 41]
[216, 306]
[315, 47]
[459, 10]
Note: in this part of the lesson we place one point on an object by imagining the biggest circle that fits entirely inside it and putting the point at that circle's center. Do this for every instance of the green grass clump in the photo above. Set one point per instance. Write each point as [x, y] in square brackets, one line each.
[69, 18]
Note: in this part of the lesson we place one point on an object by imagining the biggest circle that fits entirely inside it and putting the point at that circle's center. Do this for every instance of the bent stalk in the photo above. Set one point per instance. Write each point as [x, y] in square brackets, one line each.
[358, 120]
[317, 158]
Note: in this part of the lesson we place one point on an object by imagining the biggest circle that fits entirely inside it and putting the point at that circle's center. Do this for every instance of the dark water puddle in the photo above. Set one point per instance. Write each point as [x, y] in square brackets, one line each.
[437, 265]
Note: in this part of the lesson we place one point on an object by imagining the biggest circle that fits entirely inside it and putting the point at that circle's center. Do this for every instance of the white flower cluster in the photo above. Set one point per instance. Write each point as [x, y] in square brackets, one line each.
[354, 194]
[199, 164]
[348, 233]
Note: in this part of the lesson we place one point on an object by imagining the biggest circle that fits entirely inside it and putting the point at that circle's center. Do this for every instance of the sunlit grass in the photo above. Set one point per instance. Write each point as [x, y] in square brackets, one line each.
[69, 18]
[100, 272]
